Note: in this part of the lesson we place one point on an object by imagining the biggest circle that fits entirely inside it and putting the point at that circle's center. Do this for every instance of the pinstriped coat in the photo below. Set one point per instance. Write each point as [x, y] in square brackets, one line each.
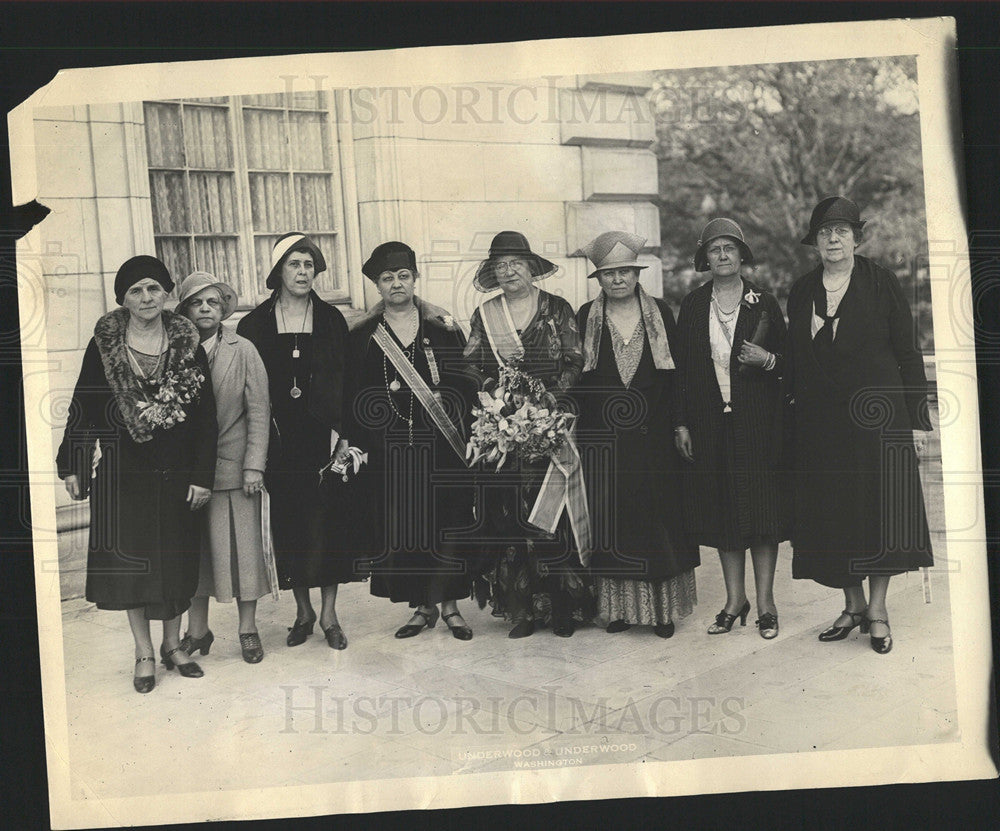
[754, 460]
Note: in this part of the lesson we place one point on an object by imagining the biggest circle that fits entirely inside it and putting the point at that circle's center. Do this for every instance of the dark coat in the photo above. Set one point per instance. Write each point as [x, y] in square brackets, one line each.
[415, 556]
[625, 437]
[144, 547]
[329, 357]
[753, 456]
[859, 506]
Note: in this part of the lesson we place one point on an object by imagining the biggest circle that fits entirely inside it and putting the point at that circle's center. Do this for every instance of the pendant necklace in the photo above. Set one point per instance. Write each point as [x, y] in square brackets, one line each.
[295, 392]
[394, 385]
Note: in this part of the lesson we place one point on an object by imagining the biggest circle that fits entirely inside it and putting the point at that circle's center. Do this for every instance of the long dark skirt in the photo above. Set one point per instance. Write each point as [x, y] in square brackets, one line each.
[534, 575]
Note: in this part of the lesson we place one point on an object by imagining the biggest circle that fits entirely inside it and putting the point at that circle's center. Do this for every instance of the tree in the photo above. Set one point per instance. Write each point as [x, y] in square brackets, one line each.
[764, 143]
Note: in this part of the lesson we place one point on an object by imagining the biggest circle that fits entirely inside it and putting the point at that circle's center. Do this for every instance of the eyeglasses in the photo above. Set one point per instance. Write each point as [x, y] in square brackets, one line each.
[729, 249]
[829, 231]
[503, 266]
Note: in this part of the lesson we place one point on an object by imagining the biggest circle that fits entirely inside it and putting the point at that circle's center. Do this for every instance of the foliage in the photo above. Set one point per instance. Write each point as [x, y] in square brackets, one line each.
[764, 143]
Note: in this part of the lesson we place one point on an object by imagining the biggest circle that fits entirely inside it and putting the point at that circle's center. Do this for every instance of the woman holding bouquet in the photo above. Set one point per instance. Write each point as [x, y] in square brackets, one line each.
[303, 343]
[232, 561]
[860, 391]
[534, 578]
[728, 422]
[412, 396]
[140, 440]
[642, 563]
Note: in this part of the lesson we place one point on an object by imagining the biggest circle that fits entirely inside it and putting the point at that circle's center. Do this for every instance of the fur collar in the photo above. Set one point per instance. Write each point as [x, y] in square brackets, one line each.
[109, 335]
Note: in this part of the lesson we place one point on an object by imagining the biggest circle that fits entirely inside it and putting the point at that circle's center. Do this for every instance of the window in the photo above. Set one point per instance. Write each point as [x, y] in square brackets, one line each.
[228, 176]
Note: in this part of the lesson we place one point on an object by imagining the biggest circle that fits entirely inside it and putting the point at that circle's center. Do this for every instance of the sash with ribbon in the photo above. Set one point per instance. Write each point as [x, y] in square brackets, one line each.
[500, 330]
[428, 400]
[563, 486]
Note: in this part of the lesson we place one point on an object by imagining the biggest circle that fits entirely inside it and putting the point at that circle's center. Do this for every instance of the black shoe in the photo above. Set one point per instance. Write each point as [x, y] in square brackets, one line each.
[144, 683]
[838, 633]
[563, 627]
[411, 629]
[203, 644]
[724, 621]
[618, 626]
[462, 633]
[251, 647]
[335, 636]
[664, 630]
[767, 625]
[188, 670]
[882, 646]
[522, 629]
[301, 630]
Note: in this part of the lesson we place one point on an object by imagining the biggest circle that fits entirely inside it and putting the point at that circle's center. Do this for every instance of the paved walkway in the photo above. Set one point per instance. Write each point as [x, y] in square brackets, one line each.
[434, 705]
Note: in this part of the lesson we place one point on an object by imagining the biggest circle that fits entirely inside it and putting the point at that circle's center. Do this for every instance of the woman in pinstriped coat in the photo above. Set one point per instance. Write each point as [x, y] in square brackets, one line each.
[727, 421]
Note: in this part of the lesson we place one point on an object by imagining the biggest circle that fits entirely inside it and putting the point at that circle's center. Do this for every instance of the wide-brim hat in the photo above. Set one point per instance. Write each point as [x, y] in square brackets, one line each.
[511, 243]
[198, 281]
[612, 249]
[139, 268]
[287, 243]
[833, 209]
[721, 227]
[389, 256]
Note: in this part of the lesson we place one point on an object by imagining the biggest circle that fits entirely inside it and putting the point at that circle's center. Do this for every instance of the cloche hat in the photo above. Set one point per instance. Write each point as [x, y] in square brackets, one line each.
[198, 281]
[286, 243]
[720, 227]
[612, 249]
[833, 209]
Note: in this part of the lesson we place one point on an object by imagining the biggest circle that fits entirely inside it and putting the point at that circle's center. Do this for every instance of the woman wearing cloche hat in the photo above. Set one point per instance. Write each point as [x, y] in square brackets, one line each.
[232, 555]
[303, 343]
[860, 389]
[727, 421]
[533, 580]
[140, 440]
[642, 564]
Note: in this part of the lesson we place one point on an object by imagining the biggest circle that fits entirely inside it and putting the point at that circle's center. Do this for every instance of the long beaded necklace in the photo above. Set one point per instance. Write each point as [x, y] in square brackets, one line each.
[295, 392]
[394, 385]
[727, 322]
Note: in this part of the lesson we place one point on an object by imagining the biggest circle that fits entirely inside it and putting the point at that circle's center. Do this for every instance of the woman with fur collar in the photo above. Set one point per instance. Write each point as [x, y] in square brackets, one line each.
[140, 440]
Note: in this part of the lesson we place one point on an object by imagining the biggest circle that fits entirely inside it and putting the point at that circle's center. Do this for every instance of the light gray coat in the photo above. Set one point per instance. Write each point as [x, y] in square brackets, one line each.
[243, 408]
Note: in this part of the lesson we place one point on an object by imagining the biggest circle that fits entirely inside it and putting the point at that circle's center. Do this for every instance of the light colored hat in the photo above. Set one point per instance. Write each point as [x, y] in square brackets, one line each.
[198, 281]
[613, 249]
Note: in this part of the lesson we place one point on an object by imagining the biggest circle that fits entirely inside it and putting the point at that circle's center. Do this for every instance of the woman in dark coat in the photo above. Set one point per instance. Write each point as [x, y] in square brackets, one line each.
[535, 577]
[415, 516]
[727, 417]
[860, 390]
[147, 464]
[303, 342]
[642, 563]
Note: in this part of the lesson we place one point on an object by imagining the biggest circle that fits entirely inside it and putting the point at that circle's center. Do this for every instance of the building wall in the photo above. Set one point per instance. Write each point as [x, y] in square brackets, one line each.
[560, 163]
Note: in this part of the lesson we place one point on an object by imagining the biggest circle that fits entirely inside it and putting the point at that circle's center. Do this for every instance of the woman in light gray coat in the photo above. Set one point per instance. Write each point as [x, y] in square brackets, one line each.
[232, 561]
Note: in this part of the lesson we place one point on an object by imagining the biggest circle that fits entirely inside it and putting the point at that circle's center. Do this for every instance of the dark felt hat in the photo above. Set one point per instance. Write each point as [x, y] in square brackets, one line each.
[833, 209]
[721, 227]
[286, 243]
[139, 268]
[389, 256]
[511, 243]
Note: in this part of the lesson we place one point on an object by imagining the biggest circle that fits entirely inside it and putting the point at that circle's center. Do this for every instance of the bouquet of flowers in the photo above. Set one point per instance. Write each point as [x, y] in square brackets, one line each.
[517, 416]
[177, 388]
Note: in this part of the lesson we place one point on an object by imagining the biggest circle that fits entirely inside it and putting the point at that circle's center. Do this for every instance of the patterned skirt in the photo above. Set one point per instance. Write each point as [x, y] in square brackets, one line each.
[646, 602]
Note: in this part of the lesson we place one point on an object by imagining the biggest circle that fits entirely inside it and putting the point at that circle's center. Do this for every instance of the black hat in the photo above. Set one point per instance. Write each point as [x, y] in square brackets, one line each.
[721, 227]
[389, 256]
[833, 209]
[139, 268]
[508, 243]
[292, 241]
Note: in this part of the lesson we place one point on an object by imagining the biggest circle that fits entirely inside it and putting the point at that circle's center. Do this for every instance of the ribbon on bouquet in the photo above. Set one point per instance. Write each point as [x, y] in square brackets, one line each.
[268, 541]
[563, 488]
[419, 387]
